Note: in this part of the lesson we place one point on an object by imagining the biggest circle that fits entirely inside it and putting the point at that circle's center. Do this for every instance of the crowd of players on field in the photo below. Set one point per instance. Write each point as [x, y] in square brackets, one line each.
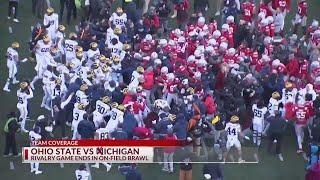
[128, 78]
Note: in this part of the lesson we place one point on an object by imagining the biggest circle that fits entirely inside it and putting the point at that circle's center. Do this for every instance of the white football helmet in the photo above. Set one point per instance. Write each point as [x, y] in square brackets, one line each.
[276, 63]
[148, 37]
[164, 70]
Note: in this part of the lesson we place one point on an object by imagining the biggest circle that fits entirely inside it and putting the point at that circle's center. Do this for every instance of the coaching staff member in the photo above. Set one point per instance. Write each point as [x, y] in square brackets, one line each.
[276, 131]
[10, 129]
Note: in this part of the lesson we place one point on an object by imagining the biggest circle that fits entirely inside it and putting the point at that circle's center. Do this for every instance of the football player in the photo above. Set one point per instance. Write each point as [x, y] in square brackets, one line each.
[102, 109]
[288, 99]
[259, 114]
[116, 117]
[70, 46]
[233, 130]
[301, 17]
[12, 59]
[78, 115]
[92, 54]
[273, 107]
[118, 18]
[23, 94]
[102, 134]
[34, 135]
[82, 173]
[302, 115]
[81, 96]
[42, 52]
[47, 89]
[51, 21]
[136, 78]
[59, 89]
[60, 38]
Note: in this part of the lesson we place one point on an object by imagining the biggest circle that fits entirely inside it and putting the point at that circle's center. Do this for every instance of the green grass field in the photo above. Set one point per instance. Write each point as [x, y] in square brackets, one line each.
[268, 169]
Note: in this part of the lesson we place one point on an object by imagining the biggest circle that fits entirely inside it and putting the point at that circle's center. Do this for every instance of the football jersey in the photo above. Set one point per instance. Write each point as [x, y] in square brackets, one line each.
[301, 114]
[118, 21]
[258, 114]
[82, 174]
[247, 11]
[135, 79]
[102, 133]
[273, 106]
[81, 97]
[52, 20]
[301, 96]
[232, 130]
[43, 49]
[289, 96]
[116, 117]
[70, 48]
[23, 97]
[34, 136]
[58, 90]
[116, 49]
[77, 115]
[12, 55]
[101, 108]
[303, 8]
[93, 55]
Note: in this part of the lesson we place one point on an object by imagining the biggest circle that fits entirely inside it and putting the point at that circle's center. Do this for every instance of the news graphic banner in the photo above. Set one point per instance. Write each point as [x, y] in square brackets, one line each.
[94, 151]
[128, 151]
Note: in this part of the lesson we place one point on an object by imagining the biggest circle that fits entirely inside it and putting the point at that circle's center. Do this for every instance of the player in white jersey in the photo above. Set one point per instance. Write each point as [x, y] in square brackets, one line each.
[34, 135]
[48, 84]
[78, 115]
[259, 114]
[136, 77]
[59, 89]
[102, 134]
[115, 46]
[81, 96]
[273, 107]
[70, 46]
[233, 130]
[51, 19]
[23, 94]
[118, 18]
[42, 51]
[82, 173]
[60, 39]
[116, 117]
[288, 99]
[12, 59]
[274, 102]
[301, 95]
[92, 54]
[102, 109]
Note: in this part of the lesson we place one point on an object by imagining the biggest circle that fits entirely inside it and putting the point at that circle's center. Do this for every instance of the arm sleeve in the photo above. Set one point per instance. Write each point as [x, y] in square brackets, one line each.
[64, 103]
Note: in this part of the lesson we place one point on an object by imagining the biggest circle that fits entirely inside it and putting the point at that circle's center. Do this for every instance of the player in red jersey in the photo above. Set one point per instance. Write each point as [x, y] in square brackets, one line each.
[310, 30]
[232, 24]
[225, 32]
[284, 5]
[264, 9]
[302, 115]
[314, 42]
[148, 45]
[248, 11]
[301, 17]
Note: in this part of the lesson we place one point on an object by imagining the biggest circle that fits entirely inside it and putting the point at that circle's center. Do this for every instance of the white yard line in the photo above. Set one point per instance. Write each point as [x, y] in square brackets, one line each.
[11, 166]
